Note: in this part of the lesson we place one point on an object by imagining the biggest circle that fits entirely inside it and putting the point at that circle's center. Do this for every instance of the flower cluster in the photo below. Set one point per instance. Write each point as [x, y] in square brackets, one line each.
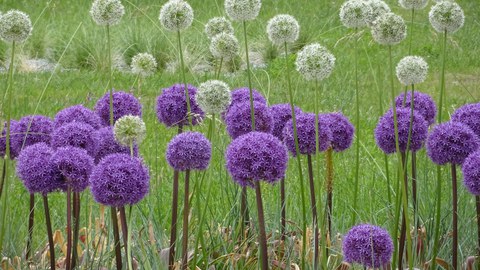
[172, 106]
[29, 130]
[412, 70]
[282, 29]
[129, 129]
[189, 151]
[107, 12]
[224, 46]
[217, 26]
[306, 134]
[239, 119]
[75, 165]
[446, 16]
[469, 115]
[75, 134]
[243, 10]
[471, 173]
[379, 8]
[389, 29]
[105, 144]
[143, 64]
[413, 4]
[123, 104]
[315, 62]
[176, 15]
[342, 131]
[77, 113]
[281, 114]
[355, 13]
[213, 96]
[422, 103]
[15, 26]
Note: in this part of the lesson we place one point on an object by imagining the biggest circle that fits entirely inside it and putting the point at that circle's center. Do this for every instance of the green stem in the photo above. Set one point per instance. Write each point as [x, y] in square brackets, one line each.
[217, 74]
[129, 240]
[252, 109]
[357, 135]
[262, 236]
[31, 218]
[110, 74]
[410, 41]
[184, 78]
[116, 238]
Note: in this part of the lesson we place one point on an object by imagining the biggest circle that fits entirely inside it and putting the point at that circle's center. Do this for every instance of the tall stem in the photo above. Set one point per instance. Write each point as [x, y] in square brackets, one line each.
[217, 73]
[31, 218]
[403, 229]
[123, 223]
[262, 236]
[69, 229]
[116, 238]
[48, 223]
[455, 218]
[283, 214]
[173, 227]
[76, 219]
[329, 159]
[477, 204]
[314, 212]
[358, 133]
[110, 74]
[186, 210]
[2, 177]
[184, 78]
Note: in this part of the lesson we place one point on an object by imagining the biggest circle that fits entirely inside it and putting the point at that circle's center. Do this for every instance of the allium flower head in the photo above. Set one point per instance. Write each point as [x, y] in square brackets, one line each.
[15, 26]
[422, 103]
[413, 4]
[240, 95]
[315, 62]
[385, 131]
[217, 26]
[123, 104]
[469, 115]
[77, 113]
[471, 173]
[451, 142]
[75, 165]
[355, 13]
[105, 144]
[368, 245]
[176, 15]
[213, 96]
[75, 134]
[281, 114]
[189, 151]
[239, 120]
[379, 8]
[342, 131]
[29, 130]
[412, 70]
[243, 10]
[172, 106]
[256, 156]
[107, 12]
[224, 45]
[119, 180]
[446, 16]
[130, 130]
[36, 170]
[283, 28]
[389, 29]
[144, 64]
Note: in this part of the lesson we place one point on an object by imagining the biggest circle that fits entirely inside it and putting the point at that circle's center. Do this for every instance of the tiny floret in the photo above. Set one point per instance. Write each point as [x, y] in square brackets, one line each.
[77, 113]
[412, 70]
[446, 16]
[176, 15]
[213, 96]
[379, 8]
[243, 10]
[239, 120]
[15, 26]
[282, 29]
[189, 151]
[107, 12]
[422, 103]
[389, 29]
[355, 13]
[469, 115]
[172, 106]
[224, 46]
[471, 173]
[143, 64]
[130, 130]
[75, 165]
[123, 104]
[281, 114]
[342, 131]
[315, 62]
[217, 26]
[413, 4]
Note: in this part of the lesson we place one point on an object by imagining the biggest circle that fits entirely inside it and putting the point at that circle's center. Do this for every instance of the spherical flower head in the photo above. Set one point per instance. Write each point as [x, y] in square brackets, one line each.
[368, 245]
[342, 130]
[422, 103]
[469, 115]
[385, 131]
[413, 4]
[471, 173]
[123, 104]
[355, 13]
[239, 119]
[172, 106]
[77, 113]
[389, 29]
[243, 10]
[129, 130]
[105, 144]
[315, 62]
[446, 16]
[189, 151]
[282, 29]
[75, 165]
[35, 169]
[176, 15]
[240, 95]
[29, 130]
[75, 134]
[256, 156]
[306, 134]
[15, 26]
[379, 8]
[224, 46]
[107, 12]
[143, 64]
[213, 96]
[281, 114]
[412, 70]
[451, 142]
[217, 26]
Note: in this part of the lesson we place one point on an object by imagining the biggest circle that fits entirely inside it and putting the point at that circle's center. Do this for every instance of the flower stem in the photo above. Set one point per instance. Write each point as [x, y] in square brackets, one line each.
[455, 218]
[69, 229]
[116, 238]
[262, 236]
[76, 219]
[217, 74]
[123, 223]
[110, 74]
[403, 230]
[129, 239]
[2, 179]
[358, 133]
[186, 210]
[314, 212]
[31, 218]
[477, 204]
[173, 227]
[48, 223]
[184, 78]
[329, 159]
[283, 213]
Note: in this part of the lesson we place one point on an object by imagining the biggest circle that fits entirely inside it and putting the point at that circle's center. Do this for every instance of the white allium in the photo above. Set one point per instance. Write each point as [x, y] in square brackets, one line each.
[243, 10]
[15, 26]
[355, 13]
[144, 64]
[413, 4]
[213, 96]
[218, 25]
[315, 62]
[283, 28]
[107, 12]
[176, 15]
[389, 29]
[379, 8]
[224, 46]
[446, 15]
[412, 70]
[129, 129]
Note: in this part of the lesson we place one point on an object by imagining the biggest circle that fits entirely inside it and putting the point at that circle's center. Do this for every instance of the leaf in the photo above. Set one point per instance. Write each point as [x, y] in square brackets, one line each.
[470, 262]
[439, 261]
[343, 266]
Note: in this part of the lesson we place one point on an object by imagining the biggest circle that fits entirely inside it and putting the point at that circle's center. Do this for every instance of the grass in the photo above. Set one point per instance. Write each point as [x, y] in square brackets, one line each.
[84, 81]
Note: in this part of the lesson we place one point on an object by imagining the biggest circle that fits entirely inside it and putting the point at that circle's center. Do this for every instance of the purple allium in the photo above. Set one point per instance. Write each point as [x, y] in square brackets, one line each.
[75, 165]
[423, 103]
[75, 134]
[77, 113]
[29, 130]
[172, 106]
[189, 151]
[385, 131]
[239, 119]
[105, 144]
[241, 95]
[451, 142]
[471, 173]
[35, 168]
[3, 140]
[306, 134]
[123, 104]
[281, 113]
[119, 180]
[342, 131]
[256, 156]
[368, 245]
[469, 115]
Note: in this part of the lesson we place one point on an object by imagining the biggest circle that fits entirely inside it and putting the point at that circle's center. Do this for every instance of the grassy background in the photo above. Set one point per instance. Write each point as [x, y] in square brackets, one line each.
[84, 80]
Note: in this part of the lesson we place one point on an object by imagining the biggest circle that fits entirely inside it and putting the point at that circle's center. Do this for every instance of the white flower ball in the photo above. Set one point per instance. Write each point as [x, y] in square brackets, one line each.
[176, 15]
[218, 25]
[144, 64]
[129, 129]
[389, 29]
[107, 12]
[283, 28]
[243, 10]
[213, 96]
[224, 46]
[413, 4]
[315, 62]
[15, 26]
[446, 16]
[355, 13]
[412, 70]
[379, 8]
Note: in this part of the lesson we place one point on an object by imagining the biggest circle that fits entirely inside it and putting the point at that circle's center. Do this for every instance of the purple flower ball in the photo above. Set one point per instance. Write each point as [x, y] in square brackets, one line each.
[368, 245]
[385, 131]
[75, 134]
[77, 113]
[38, 173]
[29, 130]
[241, 95]
[119, 180]
[239, 120]
[172, 106]
[471, 173]
[281, 113]
[256, 156]
[306, 134]
[189, 151]
[423, 103]
[469, 115]
[123, 104]
[105, 144]
[342, 131]
[451, 142]
[75, 165]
